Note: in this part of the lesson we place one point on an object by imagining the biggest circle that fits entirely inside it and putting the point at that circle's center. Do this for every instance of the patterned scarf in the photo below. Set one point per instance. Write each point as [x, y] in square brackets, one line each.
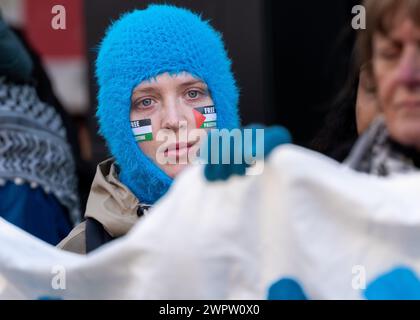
[376, 153]
[33, 145]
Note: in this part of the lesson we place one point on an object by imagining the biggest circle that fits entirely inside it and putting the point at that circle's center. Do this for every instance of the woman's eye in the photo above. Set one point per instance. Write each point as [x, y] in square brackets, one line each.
[193, 94]
[389, 54]
[145, 103]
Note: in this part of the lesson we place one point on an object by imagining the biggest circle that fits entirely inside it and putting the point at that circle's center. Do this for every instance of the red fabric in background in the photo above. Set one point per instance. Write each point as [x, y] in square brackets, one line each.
[50, 43]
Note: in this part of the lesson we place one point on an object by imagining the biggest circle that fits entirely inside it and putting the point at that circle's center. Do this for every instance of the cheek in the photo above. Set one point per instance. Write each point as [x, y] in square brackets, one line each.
[190, 117]
[361, 120]
[209, 101]
[198, 135]
[386, 85]
[135, 114]
[149, 148]
[365, 114]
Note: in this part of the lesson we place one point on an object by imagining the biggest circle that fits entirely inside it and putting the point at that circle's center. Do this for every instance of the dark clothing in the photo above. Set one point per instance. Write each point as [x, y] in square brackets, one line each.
[34, 211]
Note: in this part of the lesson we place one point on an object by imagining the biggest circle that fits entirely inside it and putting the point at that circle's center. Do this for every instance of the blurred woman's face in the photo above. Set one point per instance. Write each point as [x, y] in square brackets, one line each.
[366, 103]
[396, 67]
[169, 102]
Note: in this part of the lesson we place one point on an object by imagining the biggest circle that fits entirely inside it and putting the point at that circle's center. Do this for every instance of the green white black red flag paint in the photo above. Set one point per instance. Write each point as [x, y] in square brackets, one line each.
[142, 130]
[205, 117]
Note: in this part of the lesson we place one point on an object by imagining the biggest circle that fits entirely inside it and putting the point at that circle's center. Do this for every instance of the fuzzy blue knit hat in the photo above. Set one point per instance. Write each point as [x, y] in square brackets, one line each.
[141, 45]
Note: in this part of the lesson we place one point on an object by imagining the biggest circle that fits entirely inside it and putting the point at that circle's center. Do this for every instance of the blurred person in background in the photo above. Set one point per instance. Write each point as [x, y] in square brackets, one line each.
[375, 125]
[391, 42]
[76, 128]
[38, 183]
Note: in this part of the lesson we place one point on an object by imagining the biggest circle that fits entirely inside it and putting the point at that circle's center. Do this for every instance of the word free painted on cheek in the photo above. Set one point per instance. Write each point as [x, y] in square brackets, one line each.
[205, 117]
[142, 130]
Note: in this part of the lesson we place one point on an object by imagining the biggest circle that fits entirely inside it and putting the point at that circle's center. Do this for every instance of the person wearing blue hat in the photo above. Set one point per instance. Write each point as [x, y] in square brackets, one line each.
[161, 71]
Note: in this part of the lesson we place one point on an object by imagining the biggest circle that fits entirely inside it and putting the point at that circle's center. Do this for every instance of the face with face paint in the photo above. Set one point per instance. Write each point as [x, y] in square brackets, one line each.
[171, 106]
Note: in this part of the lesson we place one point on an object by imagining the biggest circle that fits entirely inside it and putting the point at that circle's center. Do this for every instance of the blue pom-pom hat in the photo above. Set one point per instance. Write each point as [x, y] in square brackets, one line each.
[139, 46]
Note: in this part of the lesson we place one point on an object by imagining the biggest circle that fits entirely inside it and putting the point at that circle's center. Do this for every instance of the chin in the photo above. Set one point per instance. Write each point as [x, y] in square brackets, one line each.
[174, 170]
[408, 134]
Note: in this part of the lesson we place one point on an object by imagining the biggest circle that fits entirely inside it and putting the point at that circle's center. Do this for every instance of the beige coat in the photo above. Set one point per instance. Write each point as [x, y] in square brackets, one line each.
[110, 202]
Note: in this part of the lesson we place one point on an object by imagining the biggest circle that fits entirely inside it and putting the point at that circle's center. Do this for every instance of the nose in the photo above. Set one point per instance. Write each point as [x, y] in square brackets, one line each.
[173, 117]
[408, 72]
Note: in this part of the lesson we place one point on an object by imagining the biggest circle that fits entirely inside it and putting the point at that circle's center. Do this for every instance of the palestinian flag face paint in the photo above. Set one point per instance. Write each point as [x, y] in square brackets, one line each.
[142, 130]
[205, 117]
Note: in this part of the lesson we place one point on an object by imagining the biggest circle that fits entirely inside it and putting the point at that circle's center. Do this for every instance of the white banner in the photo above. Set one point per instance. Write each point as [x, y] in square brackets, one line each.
[306, 227]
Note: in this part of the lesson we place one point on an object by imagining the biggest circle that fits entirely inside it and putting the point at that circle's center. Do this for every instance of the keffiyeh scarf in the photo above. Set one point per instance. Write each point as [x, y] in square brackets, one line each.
[33, 145]
[376, 153]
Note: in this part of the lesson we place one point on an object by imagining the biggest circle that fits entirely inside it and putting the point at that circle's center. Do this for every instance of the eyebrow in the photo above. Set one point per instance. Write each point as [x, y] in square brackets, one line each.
[193, 82]
[150, 88]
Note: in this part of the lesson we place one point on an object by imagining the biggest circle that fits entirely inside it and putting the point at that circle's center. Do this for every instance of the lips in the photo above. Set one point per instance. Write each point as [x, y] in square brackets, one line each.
[179, 149]
[412, 104]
